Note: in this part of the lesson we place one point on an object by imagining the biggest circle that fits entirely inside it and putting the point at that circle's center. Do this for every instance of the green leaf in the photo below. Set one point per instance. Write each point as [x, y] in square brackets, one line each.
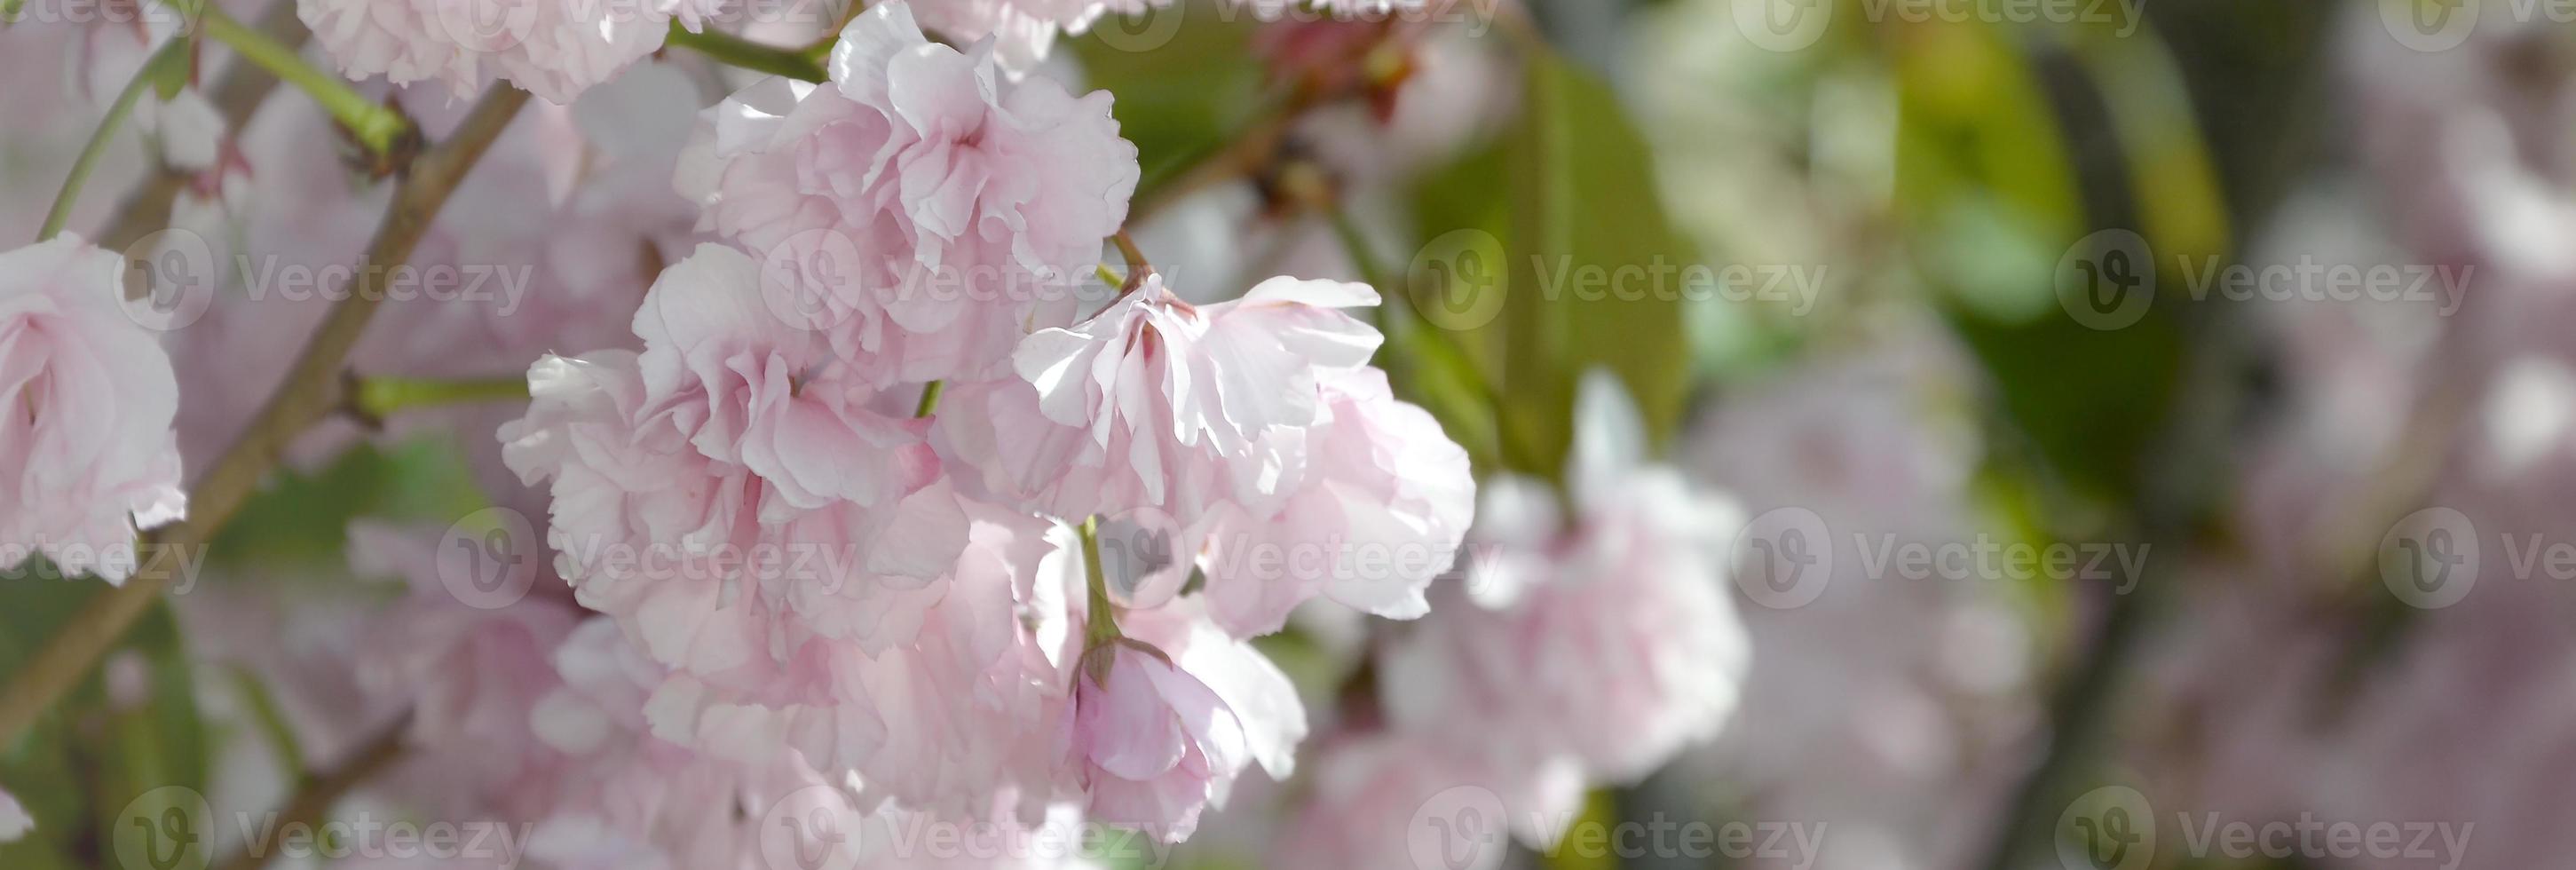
[1993, 198]
[1590, 272]
[304, 516]
[82, 765]
[160, 740]
[1184, 78]
[36, 852]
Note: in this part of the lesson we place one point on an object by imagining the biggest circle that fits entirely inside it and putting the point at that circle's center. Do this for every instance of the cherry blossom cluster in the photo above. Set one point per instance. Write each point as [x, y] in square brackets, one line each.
[982, 661]
[871, 496]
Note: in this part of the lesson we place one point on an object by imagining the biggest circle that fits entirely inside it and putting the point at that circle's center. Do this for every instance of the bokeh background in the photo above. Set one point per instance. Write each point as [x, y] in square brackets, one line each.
[2155, 418]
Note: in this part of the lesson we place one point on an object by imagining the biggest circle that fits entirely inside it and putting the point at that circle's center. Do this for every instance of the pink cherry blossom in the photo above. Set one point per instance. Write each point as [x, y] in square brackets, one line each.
[469, 674]
[1165, 720]
[1379, 797]
[1385, 500]
[747, 388]
[1247, 438]
[88, 441]
[630, 799]
[729, 494]
[960, 720]
[552, 48]
[1158, 403]
[931, 212]
[1621, 645]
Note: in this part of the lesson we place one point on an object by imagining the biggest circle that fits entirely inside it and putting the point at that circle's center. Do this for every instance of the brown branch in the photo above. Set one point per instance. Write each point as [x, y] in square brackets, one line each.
[236, 97]
[316, 793]
[311, 390]
[1137, 267]
[1242, 156]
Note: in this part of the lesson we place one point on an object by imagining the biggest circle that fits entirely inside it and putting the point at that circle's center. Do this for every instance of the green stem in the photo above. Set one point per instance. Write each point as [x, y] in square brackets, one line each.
[929, 398]
[1102, 629]
[270, 721]
[375, 125]
[1355, 243]
[98, 139]
[731, 50]
[822, 48]
[378, 398]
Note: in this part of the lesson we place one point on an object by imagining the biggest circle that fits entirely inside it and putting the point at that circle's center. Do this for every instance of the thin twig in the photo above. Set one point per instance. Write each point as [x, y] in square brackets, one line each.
[237, 96]
[311, 390]
[388, 135]
[69, 196]
[316, 793]
[731, 50]
[1241, 156]
[1137, 266]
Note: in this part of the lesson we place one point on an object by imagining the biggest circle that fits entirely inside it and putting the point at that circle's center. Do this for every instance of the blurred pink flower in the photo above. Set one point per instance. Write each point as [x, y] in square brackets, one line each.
[631, 799]
[470, 674]
[1378, 797]
[87, 441]
[1615, 647]
[14, 820]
